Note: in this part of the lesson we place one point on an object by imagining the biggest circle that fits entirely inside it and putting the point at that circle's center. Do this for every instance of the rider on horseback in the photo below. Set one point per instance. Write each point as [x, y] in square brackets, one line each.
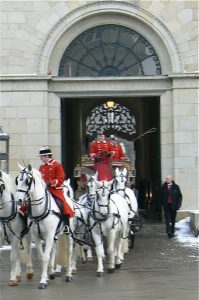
[53, 175]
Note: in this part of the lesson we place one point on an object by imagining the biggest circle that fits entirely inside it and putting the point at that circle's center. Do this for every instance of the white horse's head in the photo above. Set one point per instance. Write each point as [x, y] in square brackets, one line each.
[91, 184]
[25, 182]
[7, 201]
[103, 197]
[120, 180]
[6, 184]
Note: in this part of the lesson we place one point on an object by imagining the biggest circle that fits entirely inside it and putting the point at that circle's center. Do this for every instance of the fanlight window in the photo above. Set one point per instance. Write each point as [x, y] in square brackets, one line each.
[104, 118]
[109, 50]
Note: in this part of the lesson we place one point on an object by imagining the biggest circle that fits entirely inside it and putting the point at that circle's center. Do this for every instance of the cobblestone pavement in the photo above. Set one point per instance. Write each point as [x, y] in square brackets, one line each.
[157, 268]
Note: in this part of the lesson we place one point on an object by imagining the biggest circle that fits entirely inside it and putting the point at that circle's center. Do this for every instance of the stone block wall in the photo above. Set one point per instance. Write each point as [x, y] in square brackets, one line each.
[24, 115]
[26, 24]
[30, 113]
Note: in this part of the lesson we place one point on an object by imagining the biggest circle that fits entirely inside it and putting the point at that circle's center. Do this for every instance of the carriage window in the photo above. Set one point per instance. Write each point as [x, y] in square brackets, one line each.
[109, 50]
[111, 116]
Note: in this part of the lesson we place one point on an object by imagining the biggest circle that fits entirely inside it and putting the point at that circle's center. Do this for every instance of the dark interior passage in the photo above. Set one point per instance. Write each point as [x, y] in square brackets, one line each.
[147, 114]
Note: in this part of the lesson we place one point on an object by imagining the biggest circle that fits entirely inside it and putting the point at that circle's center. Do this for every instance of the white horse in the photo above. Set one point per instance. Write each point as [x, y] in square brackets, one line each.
[120, 187]
[61, 258]
[86, 200]
[109, 218]
[45, 218]
[78, 233]
[14, 229]
[82, 208]
[68, 190]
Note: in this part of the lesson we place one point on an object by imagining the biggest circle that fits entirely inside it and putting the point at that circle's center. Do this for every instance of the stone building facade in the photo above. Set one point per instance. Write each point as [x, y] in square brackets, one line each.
[34, 37]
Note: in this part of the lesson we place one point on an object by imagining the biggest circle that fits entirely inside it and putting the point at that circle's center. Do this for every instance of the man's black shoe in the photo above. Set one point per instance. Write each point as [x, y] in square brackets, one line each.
[170, 235]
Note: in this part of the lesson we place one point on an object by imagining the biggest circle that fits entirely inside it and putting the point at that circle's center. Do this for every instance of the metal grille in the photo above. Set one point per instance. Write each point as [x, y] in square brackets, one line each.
[104, 118]
[109, 50]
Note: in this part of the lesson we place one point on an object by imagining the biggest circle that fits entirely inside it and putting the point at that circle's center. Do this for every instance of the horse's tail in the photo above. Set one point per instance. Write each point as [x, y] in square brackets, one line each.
[62, 251]
[79, 254]
[125, 245]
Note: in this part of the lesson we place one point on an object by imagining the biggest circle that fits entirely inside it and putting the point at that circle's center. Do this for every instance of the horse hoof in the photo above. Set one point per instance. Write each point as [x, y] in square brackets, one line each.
[52, 276]
[110, 271]
[18, 278]
[69, 278]
[42, 286]
[100, 274]
[118, 266]
[58, 274]
[29, 275]
[90, 259]
[84, 261]
[13, 283]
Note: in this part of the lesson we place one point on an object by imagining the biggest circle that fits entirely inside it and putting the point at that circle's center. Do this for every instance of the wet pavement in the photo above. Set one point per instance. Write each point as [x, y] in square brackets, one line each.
[157, 268]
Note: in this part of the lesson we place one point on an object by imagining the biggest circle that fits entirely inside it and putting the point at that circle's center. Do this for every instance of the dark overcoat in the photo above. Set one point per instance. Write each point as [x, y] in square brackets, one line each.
[176, 196]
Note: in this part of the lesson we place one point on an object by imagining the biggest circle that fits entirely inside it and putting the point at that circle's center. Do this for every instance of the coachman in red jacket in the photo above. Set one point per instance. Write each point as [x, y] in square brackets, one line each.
[100, 152]
[53, 175]
[116, 148]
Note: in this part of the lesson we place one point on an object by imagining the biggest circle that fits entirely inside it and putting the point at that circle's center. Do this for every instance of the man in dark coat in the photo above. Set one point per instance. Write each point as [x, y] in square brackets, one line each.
[171, 197]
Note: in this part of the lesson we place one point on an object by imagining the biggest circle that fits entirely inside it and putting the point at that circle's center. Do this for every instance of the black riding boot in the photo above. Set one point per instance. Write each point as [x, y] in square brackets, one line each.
[66, 223]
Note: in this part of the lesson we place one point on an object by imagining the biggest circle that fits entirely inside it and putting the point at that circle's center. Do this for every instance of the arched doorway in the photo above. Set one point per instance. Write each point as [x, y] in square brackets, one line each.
[76, 94]
[76, 111]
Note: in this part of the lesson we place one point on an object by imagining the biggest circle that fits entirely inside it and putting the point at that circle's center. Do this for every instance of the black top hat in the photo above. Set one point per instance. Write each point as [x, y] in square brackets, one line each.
[45, 151]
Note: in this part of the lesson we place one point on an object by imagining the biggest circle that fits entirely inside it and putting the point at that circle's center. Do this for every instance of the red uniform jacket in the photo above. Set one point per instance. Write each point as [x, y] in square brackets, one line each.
[53, 173]
[103, 165]
[118, 153]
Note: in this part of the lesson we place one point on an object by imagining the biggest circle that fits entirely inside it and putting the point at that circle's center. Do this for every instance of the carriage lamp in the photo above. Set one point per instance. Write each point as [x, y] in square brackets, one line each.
[4, 150]
[131, 177]
[110, 103]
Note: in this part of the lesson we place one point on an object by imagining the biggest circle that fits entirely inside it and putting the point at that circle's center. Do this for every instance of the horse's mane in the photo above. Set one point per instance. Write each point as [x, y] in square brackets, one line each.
[37, 173]
[70, 189]
[8, 182]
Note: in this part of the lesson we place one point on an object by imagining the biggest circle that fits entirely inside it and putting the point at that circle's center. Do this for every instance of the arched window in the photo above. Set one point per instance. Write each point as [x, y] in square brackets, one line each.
[111, 117]
[109, 50]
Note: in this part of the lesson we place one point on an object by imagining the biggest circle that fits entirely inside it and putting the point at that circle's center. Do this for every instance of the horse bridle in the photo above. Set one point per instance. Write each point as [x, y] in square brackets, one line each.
[2, 205]
[31, 202]
[2, 187]
[90, 196]
[122, 180]
[28, 180]
[103, 187]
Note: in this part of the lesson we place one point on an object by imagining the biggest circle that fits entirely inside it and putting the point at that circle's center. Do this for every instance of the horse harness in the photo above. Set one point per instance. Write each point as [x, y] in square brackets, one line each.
[39, 201]
[5, 221]
[125, 194]
[97, 221]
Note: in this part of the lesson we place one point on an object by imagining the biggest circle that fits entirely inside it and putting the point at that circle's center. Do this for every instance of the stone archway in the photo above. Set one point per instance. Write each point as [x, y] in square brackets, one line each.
[118, 13]
[108, 12]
